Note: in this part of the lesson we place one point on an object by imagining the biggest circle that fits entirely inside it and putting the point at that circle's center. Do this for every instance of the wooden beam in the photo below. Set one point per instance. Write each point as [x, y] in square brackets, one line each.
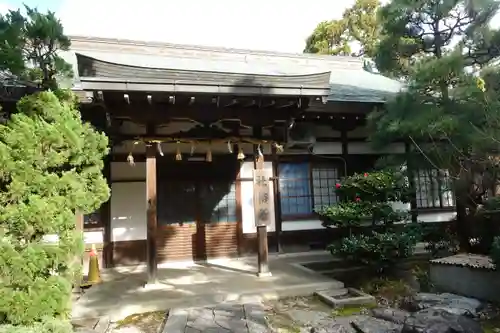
[152, 222]
[161, 113]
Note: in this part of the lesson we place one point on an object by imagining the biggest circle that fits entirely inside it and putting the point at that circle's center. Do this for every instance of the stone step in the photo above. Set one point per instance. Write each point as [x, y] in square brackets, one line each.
[338, 292]
[352, 297]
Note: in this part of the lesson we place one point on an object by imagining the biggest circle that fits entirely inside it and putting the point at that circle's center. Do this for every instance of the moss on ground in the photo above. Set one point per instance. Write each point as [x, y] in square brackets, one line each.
[142, 319]
[491, 325]
[351, 310]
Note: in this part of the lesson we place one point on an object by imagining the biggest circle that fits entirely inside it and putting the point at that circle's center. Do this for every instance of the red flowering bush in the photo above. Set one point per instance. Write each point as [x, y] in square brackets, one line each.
[367, 200]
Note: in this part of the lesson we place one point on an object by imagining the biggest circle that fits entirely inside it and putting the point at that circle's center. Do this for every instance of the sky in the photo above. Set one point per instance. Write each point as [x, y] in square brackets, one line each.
[273, 25]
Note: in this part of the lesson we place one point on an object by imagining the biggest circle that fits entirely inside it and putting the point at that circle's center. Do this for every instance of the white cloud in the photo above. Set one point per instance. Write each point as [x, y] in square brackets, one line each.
[279, 25]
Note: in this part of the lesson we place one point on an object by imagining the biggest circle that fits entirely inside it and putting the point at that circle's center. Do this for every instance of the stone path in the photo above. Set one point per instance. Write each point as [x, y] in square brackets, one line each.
[221, 318]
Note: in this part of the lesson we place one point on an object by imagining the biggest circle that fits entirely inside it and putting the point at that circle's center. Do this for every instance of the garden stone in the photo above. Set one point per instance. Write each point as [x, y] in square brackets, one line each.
[374, 325]
[439, 321]
[334, 328]
[451, 303]
[389, 314]
[84, 330]
[310, 318]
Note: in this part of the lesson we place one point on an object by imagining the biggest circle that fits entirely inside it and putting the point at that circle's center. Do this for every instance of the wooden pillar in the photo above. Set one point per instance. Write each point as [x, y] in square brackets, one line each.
[262, 246]
[411, 180]
[105, 215]
[152, 261]
[77, 287]
[345, 149]
[277, 199]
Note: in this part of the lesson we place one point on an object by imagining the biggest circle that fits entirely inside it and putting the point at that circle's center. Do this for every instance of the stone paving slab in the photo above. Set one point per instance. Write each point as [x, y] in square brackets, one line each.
[201, 284]
[220, 318]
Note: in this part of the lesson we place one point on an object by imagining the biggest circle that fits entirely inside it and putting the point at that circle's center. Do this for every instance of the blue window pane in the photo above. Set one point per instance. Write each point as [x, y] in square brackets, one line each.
[293, 170]
[295, 189]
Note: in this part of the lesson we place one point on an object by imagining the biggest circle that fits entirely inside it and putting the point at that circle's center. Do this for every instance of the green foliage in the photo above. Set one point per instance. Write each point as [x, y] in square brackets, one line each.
[368, 198]
[359, 24]
[378, 249]
[30, 46]
[415, 30]
[495, 252]
[329, 38]
[423, 278]
[486, 225]
[439, 239]
[379, 186]
[448, 114]
[50, 168]
[49, 325]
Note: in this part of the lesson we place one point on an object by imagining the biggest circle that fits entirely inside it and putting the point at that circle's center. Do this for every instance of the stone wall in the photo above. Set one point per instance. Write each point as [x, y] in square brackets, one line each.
[467, 275]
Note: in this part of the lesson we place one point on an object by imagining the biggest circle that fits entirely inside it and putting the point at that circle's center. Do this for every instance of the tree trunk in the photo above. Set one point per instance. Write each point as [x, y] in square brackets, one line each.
[462, 223]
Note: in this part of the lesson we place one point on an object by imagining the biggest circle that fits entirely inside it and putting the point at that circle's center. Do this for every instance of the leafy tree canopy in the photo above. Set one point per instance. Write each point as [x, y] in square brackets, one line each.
[358, 25]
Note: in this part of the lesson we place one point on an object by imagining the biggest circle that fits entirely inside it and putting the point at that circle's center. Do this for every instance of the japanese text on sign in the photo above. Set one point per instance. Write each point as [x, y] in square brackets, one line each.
[262, 202]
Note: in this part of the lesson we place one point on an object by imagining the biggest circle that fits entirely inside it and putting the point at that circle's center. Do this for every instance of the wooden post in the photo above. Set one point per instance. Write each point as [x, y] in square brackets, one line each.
[345, 149]
[105, 216]
[411, 181]
[277, 199]
[152, 264]
[77, 288]
[262, 246]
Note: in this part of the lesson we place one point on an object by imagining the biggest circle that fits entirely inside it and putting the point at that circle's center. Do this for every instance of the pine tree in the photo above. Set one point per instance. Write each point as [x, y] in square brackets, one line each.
[447, 114]
[50, 169]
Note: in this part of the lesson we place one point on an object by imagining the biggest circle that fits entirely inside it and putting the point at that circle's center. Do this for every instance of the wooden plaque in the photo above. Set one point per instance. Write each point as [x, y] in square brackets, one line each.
[262, 197]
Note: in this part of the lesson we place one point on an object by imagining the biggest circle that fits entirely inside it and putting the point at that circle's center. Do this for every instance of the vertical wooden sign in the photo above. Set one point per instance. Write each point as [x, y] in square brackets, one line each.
[261, 197]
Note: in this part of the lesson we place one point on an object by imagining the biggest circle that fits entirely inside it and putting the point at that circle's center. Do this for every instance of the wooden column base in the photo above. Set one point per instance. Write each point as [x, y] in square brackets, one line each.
[263, 252]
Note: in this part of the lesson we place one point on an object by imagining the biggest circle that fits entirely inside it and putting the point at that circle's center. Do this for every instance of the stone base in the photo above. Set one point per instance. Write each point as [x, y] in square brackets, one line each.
[154, 286]
[345, 297]
[264, 274]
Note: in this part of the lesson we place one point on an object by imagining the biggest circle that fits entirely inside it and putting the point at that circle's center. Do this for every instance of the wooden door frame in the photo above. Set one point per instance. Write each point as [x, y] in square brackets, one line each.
[199, 249]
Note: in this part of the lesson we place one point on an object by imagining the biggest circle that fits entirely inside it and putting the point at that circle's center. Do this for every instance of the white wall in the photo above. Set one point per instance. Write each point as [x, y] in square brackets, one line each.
[128, 201]
[128, 211]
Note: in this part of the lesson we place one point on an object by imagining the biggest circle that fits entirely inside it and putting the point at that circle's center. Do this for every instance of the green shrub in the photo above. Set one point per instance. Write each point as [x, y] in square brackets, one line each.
[440, 239]
[495, 252]
[378, 249]
[50, 168]
[487, 225]
[367, 200]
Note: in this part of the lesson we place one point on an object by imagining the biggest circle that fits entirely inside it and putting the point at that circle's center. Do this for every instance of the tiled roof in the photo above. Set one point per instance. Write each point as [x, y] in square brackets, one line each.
[349, 81]
[466, 260]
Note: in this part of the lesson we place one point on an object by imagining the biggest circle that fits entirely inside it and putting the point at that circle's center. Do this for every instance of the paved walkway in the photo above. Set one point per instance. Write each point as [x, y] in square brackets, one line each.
[221, 318]
[122, 293]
